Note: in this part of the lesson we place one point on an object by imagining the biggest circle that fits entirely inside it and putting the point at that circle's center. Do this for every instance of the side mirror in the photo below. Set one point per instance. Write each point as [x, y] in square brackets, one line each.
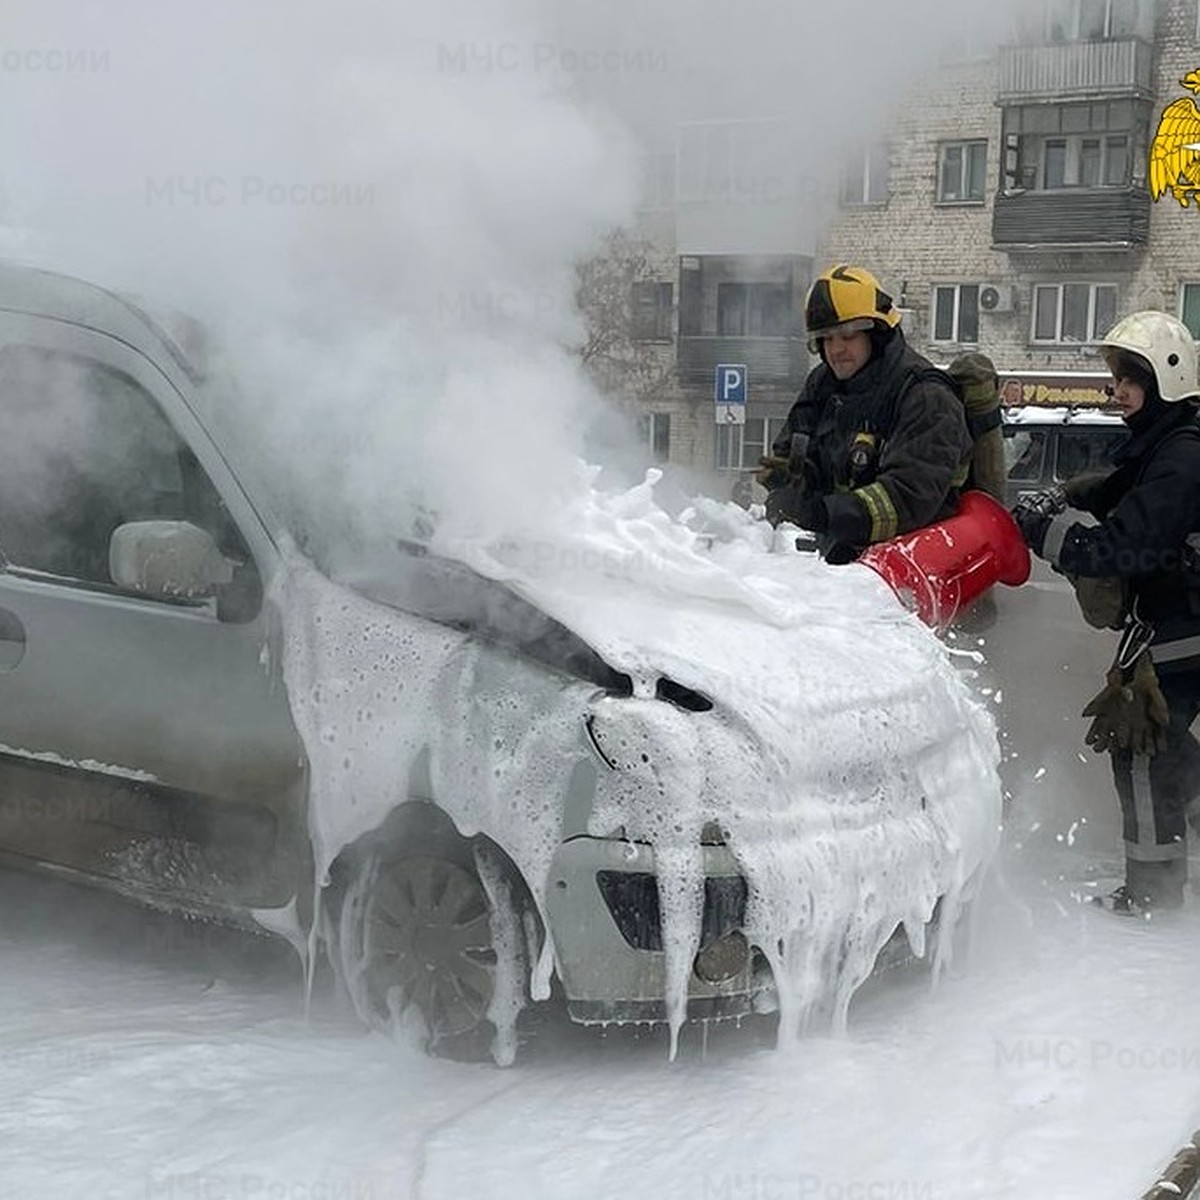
[169, 559]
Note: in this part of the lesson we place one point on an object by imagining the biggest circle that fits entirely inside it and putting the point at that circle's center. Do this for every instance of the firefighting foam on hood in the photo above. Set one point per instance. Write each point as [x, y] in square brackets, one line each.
[840, 752]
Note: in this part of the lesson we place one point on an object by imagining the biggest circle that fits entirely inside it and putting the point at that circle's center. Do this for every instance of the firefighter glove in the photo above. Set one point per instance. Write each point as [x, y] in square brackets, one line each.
[1079, 488]
[792, 504]
[773, 472]
[1049, 502]
[1033, 526]
[1130, 712]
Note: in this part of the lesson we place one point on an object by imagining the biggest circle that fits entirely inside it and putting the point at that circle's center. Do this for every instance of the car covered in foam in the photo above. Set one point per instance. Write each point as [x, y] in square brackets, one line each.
[690, 776]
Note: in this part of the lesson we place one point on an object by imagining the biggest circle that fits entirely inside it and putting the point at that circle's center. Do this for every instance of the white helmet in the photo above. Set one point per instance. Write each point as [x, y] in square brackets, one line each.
[1165, 343]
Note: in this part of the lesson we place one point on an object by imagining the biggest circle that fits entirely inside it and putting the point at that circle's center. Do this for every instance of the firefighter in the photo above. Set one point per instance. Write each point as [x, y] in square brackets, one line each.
[1148, 509]
[877, 443]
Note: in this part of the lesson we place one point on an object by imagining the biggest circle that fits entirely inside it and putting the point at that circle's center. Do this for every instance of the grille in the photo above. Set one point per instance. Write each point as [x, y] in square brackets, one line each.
[632, 899]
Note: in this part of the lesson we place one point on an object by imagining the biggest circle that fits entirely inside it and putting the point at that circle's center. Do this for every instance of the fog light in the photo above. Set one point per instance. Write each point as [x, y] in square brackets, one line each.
[721, 960]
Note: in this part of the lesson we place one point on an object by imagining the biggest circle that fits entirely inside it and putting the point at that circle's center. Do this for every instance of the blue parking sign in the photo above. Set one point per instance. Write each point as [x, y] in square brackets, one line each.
[732, 380]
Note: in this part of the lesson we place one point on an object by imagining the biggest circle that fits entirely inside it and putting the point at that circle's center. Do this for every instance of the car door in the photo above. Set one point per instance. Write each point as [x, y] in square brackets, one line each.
[144, 740]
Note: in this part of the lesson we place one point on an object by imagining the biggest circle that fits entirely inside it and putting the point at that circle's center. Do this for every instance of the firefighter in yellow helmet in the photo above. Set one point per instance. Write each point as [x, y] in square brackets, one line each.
[877, 443]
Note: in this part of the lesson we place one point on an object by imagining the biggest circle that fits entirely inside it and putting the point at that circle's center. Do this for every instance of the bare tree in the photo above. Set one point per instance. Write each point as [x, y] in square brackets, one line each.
[620, 361]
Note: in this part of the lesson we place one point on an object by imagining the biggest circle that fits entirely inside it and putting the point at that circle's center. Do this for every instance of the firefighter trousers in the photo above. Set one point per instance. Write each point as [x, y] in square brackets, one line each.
[1155, 792]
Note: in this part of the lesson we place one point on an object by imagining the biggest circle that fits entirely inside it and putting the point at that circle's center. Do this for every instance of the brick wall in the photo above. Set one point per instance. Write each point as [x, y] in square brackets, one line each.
[911, 239]
[914, 243]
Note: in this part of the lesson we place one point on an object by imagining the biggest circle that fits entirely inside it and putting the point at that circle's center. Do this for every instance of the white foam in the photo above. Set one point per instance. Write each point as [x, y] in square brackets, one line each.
[853, 773]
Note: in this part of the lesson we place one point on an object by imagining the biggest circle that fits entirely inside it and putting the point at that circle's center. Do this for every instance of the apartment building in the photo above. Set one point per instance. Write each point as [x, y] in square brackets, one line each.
[1017, 217]
[728, 207]
[1007, 205]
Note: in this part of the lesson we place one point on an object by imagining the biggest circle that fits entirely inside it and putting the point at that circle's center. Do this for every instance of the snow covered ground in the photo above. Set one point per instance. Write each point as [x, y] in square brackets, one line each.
[142, 1057]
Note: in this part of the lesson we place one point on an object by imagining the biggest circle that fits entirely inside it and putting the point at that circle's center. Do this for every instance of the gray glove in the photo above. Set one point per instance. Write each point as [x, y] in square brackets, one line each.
[1047, 503]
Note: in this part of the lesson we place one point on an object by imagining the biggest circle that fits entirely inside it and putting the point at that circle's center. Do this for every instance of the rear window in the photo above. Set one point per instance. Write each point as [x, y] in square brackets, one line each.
[1025, 454]
[1084, 449]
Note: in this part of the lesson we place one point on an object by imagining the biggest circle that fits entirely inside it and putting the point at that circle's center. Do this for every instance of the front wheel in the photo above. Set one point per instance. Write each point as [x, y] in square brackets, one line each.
[417, 942]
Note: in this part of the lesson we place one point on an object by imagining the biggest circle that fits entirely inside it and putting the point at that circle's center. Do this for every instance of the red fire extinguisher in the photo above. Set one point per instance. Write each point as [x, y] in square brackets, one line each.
[940, 569]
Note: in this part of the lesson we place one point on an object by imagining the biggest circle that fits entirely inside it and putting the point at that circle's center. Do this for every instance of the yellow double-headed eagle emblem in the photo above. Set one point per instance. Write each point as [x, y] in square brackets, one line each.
[1175, 153]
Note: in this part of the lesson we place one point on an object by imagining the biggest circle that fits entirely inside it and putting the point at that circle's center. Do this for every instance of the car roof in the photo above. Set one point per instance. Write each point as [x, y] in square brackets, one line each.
[1030, 414]
[58, 297]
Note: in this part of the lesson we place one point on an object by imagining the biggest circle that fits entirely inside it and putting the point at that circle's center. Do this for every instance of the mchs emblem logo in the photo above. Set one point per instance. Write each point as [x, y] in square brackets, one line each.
[1175, 154]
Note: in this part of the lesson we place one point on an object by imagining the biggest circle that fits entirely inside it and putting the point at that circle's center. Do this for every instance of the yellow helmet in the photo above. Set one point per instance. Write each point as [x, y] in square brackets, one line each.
[845, 295]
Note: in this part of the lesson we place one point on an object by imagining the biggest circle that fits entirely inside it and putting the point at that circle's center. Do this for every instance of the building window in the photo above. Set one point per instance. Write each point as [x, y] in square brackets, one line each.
[1054, 163]
[757, 435]
[1073, 312]
[753, 309]
[956, 312]
[729, 447]
[739, 447]
[962, 169]
[654, 432]
[1092, 145]
[1085, 162]
[1189, 308]
[1096, 20]
[652, 302]
[865, 178]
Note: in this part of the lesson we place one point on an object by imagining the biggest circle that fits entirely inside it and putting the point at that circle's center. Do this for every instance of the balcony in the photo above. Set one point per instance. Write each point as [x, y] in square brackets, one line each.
[773, 360]
[1078, 218]
[1092, 70]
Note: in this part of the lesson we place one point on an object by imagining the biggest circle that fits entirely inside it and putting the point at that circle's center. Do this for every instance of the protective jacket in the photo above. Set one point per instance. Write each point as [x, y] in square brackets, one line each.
[1147, 508]
[886, 451]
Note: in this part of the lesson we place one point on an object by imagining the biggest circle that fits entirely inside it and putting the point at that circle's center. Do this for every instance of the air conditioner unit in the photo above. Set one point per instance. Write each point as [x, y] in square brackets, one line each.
[997, 297]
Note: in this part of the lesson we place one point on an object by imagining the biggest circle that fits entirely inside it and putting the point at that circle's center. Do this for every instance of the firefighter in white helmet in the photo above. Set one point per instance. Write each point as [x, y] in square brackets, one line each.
[1148, 539]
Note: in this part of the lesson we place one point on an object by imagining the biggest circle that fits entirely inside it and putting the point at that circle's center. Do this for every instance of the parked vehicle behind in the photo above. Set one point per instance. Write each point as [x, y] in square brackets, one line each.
[1044, 446]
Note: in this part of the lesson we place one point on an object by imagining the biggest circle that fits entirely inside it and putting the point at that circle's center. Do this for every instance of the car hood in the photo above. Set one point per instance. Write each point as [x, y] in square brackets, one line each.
[794, 706]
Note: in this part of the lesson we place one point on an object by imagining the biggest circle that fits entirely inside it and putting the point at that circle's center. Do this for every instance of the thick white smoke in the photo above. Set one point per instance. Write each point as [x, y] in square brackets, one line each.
[379, 227]
[377, 208]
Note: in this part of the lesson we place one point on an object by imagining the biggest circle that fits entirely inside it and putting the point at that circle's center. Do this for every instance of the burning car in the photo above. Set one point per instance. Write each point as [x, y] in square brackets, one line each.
[720, 779]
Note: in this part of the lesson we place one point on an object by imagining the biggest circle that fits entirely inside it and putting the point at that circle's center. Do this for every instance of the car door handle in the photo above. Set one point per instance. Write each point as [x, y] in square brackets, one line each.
[12, 639]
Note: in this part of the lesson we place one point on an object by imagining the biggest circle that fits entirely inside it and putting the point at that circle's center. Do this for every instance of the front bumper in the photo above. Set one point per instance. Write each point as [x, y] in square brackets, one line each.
[602, 905]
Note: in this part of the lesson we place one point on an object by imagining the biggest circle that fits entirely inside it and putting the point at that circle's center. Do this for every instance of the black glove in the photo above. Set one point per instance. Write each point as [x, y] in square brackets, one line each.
[1033, 526]
[793, 504]
[1130, 711]
[813, 514]
[780, 502]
